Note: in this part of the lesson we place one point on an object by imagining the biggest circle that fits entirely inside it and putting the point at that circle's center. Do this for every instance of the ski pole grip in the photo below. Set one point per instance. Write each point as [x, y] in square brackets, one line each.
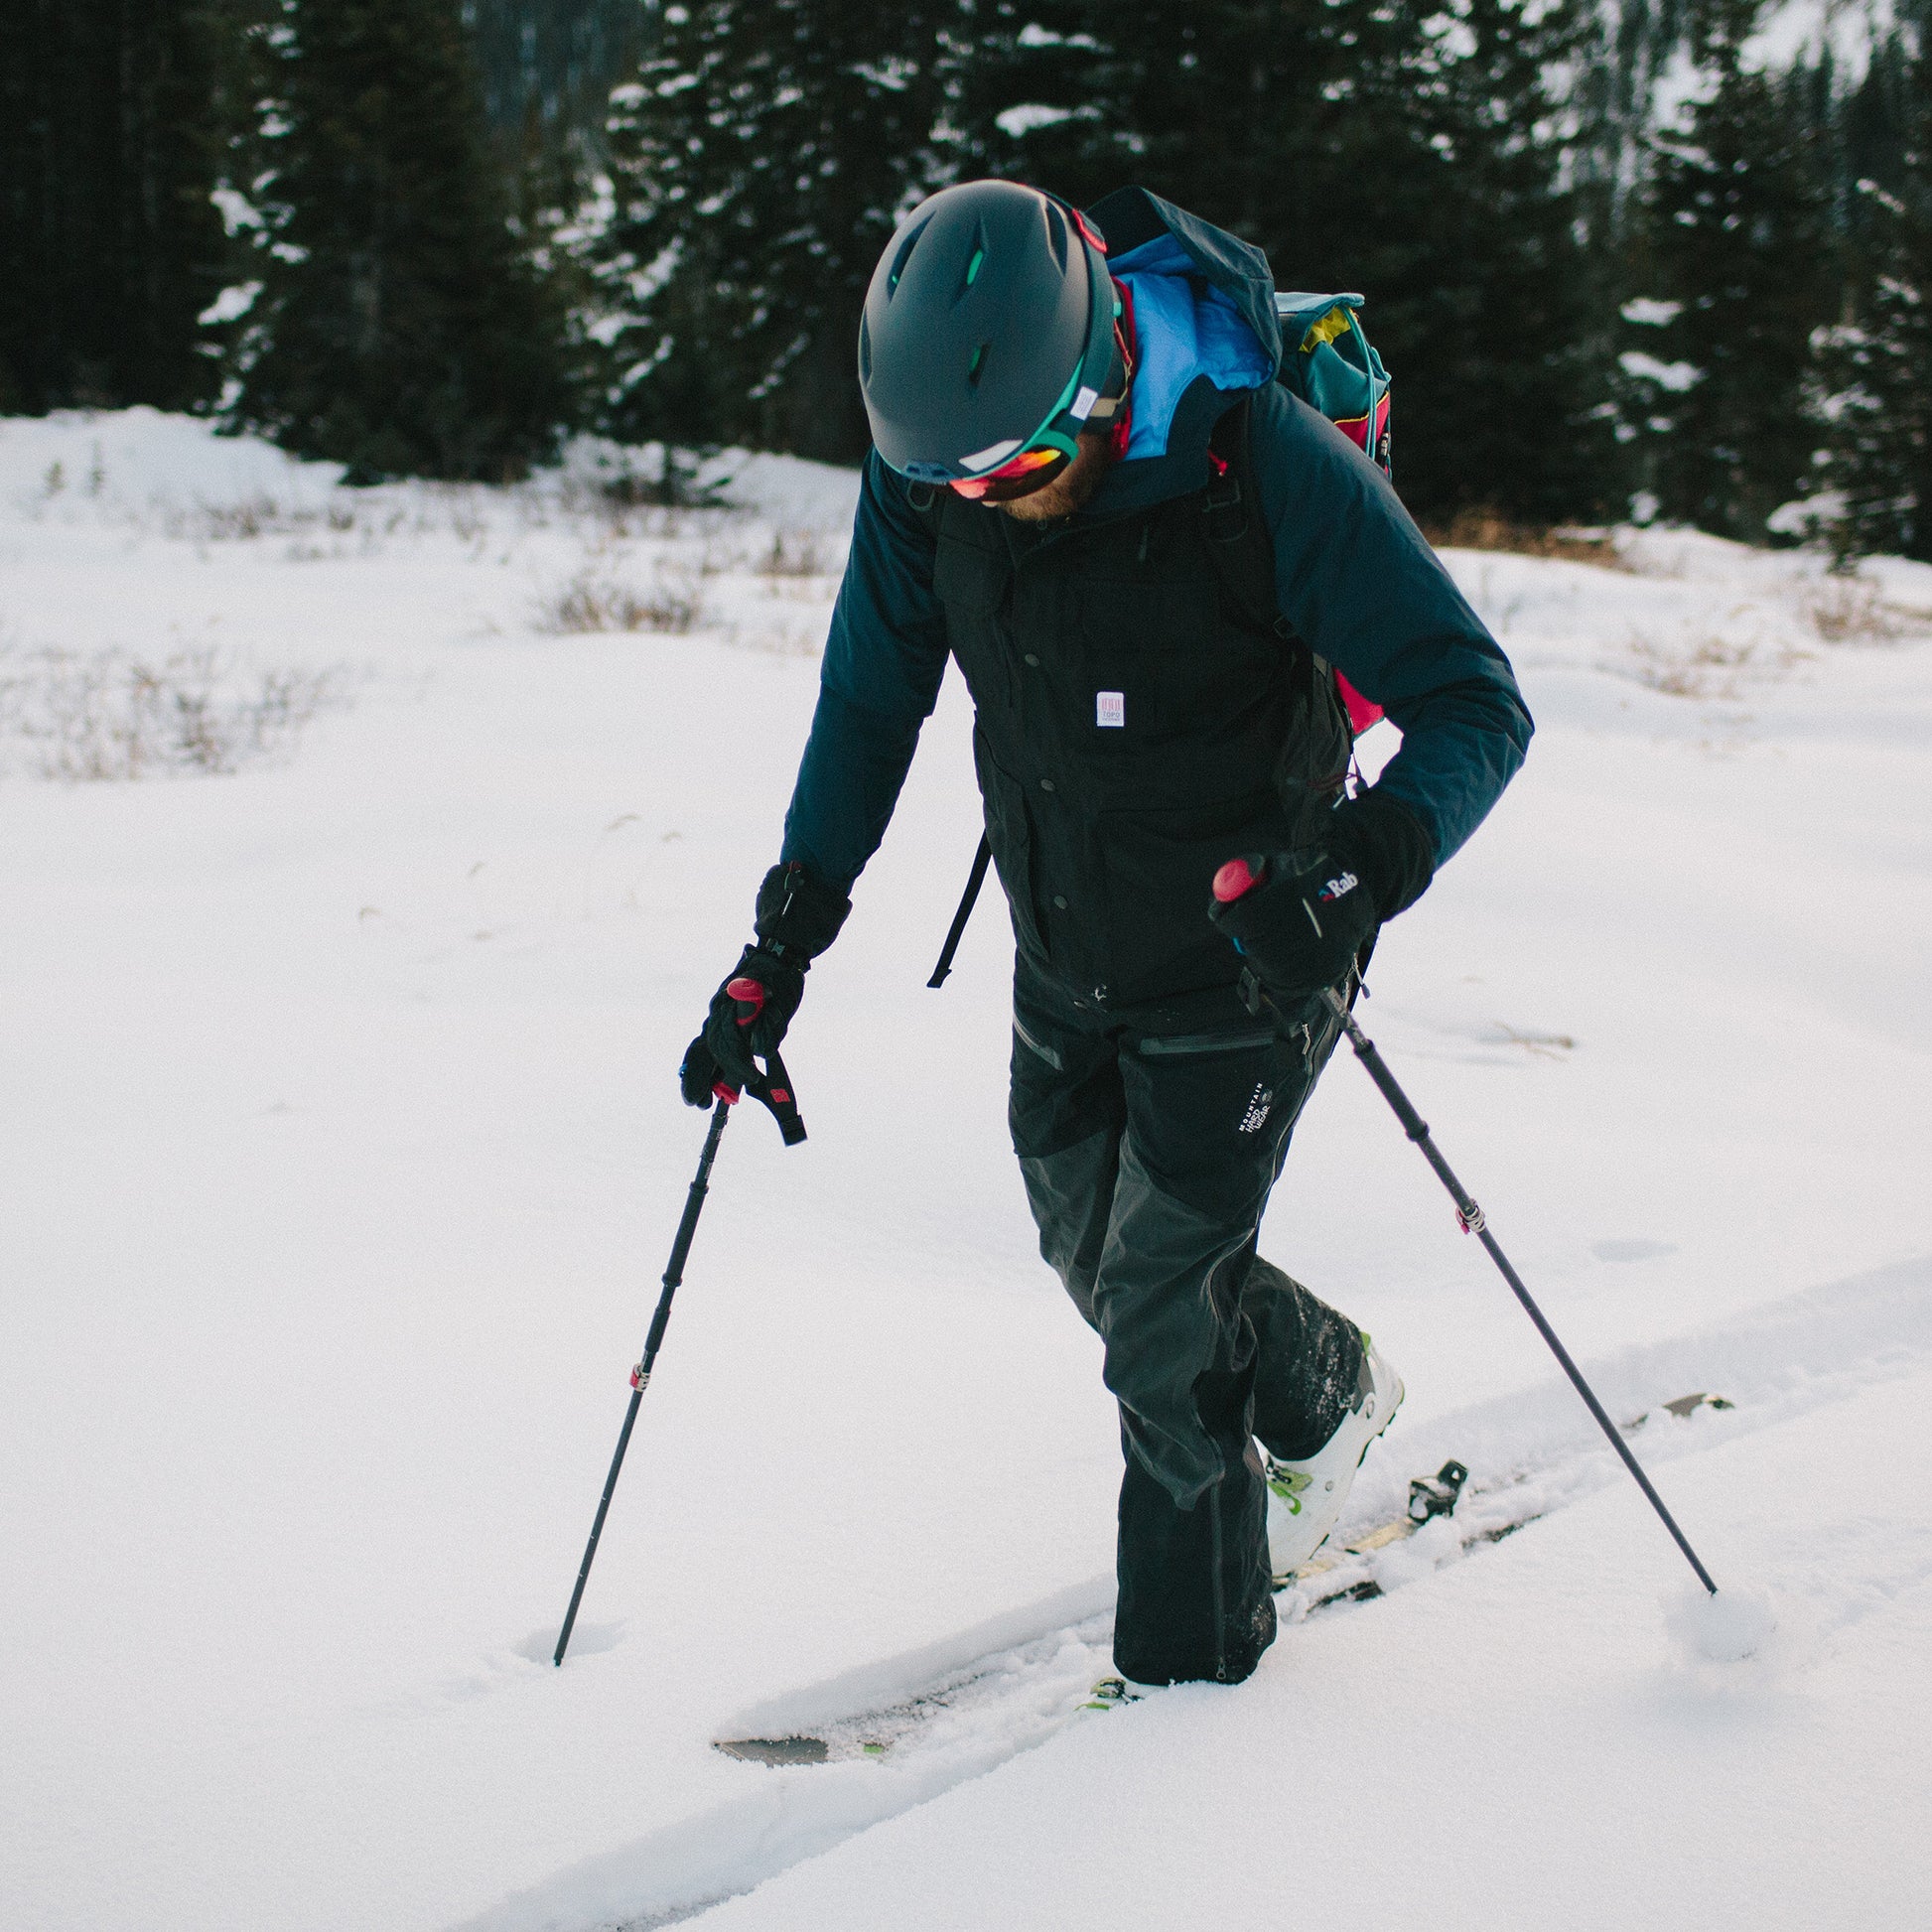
[1238, 877]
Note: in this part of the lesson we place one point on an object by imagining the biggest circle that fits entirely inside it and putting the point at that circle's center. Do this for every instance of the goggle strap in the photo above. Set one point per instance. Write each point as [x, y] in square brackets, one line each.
[1120, 376]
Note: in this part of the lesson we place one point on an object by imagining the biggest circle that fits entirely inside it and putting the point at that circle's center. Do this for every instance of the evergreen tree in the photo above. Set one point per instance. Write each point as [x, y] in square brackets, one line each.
[1615, 94]
[115, 122]
[1877, 398]
[1738, 266]
[1404, 150]
[760, 160]
[548, 67]
[402, 328]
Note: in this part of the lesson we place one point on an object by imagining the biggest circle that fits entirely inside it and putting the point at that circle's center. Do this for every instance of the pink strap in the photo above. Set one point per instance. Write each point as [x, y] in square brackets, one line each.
[1361, 714]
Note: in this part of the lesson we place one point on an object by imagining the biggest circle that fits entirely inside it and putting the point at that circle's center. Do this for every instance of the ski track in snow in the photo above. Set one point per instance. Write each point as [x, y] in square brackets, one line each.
[1528, 1456]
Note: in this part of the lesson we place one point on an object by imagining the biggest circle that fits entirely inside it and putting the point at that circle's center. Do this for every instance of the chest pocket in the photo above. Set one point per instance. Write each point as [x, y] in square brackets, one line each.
[1147, 644]
[1178, 702]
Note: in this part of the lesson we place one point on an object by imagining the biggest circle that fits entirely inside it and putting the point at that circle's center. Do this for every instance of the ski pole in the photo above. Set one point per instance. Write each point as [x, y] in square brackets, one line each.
[1230, 883]
[774, 1090]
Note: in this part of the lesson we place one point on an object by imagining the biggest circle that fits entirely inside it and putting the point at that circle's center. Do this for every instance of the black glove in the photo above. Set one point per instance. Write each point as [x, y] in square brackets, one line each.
[797, 916]
[1301, 918]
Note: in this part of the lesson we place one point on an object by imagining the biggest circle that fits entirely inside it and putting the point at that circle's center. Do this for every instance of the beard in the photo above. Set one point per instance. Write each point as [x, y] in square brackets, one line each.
[1071, 490]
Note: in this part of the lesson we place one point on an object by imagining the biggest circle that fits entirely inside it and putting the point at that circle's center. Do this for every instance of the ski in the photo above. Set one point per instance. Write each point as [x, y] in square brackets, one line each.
[1055, 1673]
[1030, 1690]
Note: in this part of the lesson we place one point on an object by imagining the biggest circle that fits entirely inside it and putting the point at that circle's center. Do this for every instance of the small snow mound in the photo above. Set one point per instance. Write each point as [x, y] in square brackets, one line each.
[1722, 1630]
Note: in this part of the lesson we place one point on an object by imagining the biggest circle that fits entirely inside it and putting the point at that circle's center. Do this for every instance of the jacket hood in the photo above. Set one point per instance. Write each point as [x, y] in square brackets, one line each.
[1204, 315]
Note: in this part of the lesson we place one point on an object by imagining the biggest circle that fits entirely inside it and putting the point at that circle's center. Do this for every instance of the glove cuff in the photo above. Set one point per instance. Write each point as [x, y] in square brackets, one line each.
[798, 915]
[1392, 847]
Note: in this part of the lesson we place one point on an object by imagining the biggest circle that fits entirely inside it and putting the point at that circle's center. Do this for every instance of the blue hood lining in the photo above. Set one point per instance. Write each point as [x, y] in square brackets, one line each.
[1186, 328]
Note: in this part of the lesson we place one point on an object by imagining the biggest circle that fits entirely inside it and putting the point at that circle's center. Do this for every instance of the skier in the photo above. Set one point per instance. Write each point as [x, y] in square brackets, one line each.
[1064, 408]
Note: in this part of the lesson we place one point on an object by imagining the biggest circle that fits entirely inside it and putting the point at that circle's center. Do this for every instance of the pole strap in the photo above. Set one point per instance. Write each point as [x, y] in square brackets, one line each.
[967, 901]
[780, 1099]
[772, 1089]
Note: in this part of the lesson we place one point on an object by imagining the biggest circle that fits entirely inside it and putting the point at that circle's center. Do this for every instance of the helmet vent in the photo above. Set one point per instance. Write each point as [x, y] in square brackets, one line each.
[865, 351]
[1057, 234]
[904, 255]
[975, 261]
[977, 367]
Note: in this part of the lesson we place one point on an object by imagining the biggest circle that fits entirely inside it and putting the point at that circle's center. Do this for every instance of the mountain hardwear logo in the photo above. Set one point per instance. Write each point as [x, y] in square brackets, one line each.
[1262, 1099]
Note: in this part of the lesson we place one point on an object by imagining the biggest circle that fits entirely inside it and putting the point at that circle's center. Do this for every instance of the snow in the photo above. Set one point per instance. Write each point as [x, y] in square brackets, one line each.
[1649, 312]
[1029, 118]
[343, 1153]
[1673, 376]
[1722, 1627]
[1841, 30]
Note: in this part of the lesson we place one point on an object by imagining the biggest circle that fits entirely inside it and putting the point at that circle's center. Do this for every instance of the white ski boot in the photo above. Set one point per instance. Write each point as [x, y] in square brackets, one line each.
[1305, 1498]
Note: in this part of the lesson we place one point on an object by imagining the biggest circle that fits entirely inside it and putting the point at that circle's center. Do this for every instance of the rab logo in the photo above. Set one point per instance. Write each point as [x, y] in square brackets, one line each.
[1262, 1100]
[1339, 888]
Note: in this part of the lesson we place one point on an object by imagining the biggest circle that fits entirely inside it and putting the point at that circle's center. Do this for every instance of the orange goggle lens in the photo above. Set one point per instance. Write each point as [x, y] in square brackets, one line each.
[1024, 464]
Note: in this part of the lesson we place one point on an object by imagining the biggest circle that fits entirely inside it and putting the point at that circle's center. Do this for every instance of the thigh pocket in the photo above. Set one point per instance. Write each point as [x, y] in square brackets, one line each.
[1208, 1113]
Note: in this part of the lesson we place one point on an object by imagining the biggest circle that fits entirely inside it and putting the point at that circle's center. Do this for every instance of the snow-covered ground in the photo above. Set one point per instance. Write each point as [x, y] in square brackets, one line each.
[341, 1153]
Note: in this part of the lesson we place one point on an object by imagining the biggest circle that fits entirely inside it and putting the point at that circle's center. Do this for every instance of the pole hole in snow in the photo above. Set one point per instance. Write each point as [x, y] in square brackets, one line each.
[585, 1640]
[1735, 1624]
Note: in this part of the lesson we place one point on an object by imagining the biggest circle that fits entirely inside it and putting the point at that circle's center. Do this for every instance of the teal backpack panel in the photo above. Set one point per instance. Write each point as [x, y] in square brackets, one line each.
[1329, 363]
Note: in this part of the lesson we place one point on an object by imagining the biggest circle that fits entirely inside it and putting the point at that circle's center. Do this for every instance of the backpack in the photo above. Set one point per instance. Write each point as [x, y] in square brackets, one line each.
[1332, 367]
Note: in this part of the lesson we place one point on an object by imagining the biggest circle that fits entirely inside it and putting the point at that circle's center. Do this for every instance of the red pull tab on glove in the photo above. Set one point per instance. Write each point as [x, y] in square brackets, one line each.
[1236, 878]
[749, 996]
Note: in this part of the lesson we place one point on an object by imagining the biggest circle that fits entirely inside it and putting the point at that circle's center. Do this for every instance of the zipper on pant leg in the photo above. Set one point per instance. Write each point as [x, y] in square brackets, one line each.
[1212, 1497]
[1159, 1046]
[1046, 1052]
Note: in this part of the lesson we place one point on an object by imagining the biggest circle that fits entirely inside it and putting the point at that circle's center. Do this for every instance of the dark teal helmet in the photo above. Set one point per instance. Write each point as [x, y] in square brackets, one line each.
[988, 333]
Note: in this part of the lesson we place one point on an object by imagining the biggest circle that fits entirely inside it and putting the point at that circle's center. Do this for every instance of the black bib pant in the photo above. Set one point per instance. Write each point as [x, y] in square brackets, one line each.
[1147, 1161]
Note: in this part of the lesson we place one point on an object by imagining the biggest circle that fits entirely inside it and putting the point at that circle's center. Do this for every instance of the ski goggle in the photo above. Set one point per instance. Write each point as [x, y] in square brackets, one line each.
[1030, 471]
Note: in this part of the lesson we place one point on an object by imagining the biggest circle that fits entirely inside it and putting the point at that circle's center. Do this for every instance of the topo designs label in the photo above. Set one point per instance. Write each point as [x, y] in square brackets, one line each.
[1110, 708]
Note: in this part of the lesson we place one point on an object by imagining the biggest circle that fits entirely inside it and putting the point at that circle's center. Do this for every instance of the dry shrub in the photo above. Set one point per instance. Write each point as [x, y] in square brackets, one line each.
[676, 484]
[1847, 609]
[589, 602]
[417, 510]
[1487, 530]
[112, 715]
[793, 554]
[1709, 668]
[237, 523]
